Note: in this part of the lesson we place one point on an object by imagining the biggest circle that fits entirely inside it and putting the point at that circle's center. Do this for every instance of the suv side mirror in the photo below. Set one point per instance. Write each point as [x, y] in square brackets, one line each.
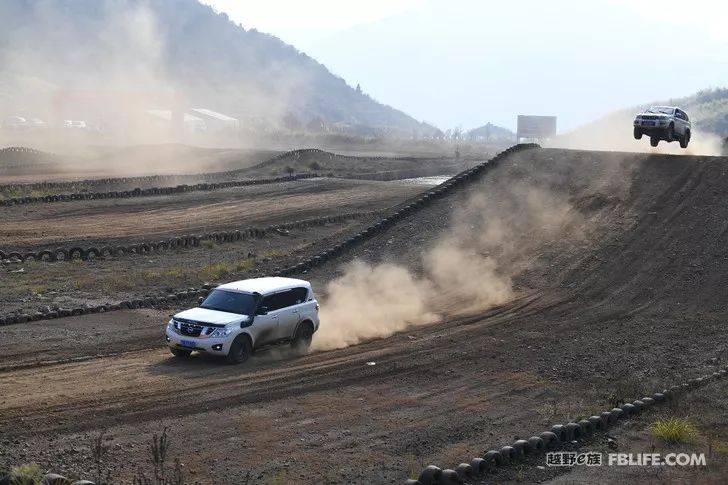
[263, 310]
[200, 300]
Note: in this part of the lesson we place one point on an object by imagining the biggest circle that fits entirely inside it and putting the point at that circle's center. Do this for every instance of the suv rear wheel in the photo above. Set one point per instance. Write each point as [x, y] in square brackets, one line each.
[637, 133]
[240, 350]
[180, 352]
[304, 336]
[654, 141]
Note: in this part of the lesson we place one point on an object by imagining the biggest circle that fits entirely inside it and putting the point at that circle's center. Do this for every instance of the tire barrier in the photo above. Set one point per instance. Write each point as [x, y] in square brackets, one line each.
[561, 434]
[177, 242]
[409, 207]
[138, 192]
[399, 212]
[24, 150]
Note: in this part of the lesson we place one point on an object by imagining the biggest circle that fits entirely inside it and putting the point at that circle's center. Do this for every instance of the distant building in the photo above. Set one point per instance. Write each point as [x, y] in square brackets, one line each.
[216, 121]
[164, 117]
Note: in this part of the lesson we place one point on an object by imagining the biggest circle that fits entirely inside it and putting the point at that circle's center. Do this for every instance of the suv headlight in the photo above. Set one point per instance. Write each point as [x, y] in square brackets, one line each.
[221, 332]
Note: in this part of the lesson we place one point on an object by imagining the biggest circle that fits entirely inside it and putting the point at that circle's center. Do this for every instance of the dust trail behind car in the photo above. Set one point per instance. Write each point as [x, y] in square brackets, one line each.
[470, 267]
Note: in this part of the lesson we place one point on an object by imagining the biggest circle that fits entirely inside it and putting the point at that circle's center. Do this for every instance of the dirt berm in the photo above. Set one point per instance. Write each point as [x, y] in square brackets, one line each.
[612, 268]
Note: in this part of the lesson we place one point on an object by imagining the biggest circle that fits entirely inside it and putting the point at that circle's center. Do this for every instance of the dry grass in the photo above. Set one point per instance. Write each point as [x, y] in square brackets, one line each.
[183, 275]
[8, 193]
[130, 279]
[674, 430]
[29, 474]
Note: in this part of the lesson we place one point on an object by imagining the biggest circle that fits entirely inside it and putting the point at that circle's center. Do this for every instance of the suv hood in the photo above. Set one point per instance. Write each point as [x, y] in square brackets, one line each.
[204, 315]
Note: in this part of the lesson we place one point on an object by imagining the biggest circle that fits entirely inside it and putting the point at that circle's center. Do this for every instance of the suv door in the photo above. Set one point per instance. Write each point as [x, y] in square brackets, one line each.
[266, 322]
[290, 314]
[680, 122]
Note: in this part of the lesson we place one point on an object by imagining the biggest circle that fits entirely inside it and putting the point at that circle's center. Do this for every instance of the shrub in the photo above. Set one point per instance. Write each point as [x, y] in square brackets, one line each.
[673, 430]
[158, 450]
[28, 474]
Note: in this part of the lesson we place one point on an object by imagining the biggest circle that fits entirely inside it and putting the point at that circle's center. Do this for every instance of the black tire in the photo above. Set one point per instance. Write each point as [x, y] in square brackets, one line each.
[240, 351]
[685, 140]
[670, 136]
[302, 339]
[182, 353]
[654, 141]
[637, 133]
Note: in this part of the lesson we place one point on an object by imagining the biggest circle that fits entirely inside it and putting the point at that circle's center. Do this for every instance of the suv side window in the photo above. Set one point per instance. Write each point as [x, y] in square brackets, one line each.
[273, 302]
[294, 296]
[299, 295]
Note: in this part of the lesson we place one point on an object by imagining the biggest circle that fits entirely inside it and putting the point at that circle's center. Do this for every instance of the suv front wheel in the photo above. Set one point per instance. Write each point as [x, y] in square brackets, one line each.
[637, 133]
[180, 352]
[685, 140]
[240, 350]
[670, 136]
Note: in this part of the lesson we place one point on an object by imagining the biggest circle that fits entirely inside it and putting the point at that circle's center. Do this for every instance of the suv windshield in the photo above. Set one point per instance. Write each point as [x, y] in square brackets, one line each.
[660, 109]
[230, 302]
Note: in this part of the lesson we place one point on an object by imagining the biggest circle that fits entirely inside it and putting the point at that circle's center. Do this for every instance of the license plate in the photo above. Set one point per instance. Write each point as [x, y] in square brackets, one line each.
[649, 123]
[187, 343]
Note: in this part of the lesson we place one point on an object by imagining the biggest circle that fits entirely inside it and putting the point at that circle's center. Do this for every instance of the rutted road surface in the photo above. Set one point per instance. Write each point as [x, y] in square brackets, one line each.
[631, 299]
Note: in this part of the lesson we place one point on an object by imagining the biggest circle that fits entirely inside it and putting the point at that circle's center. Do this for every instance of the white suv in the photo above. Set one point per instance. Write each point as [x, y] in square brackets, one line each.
[238, 317]
[663, 123]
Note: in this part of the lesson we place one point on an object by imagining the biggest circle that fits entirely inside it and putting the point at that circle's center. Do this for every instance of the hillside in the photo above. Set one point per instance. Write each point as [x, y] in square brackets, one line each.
[708, 109]
[490, 131]
[181, 46]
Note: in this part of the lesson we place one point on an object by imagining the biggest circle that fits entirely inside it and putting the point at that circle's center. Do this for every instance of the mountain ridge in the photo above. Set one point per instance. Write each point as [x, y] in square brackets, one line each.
[179, 45]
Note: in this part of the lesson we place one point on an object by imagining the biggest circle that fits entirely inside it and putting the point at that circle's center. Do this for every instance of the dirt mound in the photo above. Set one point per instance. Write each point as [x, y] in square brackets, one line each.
[27, 165]
[321, 161]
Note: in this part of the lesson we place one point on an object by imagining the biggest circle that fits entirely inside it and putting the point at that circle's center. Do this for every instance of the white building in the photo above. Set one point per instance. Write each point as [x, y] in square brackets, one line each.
[191, 123]
[216, 121]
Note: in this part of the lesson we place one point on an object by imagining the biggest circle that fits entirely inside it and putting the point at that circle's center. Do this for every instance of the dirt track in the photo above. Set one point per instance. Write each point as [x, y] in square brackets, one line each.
[148, 217]
[630, 300]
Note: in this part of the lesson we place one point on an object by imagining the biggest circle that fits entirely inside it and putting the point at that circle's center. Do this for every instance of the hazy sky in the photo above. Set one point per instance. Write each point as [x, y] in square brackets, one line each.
[466, 62]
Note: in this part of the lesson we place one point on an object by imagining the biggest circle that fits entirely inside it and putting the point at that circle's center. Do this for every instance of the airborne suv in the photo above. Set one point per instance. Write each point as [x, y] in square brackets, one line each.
[663, 123]
[238, 317]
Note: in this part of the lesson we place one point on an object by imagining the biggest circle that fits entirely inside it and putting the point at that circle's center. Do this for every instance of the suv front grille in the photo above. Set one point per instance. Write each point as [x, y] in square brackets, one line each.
[190, 329]
[649, 117]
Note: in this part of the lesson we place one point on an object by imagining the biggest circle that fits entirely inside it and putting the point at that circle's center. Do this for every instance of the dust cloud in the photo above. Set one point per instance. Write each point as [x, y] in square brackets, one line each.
[113, 67]
[372, 302]
[467, 270]
[614, 133]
